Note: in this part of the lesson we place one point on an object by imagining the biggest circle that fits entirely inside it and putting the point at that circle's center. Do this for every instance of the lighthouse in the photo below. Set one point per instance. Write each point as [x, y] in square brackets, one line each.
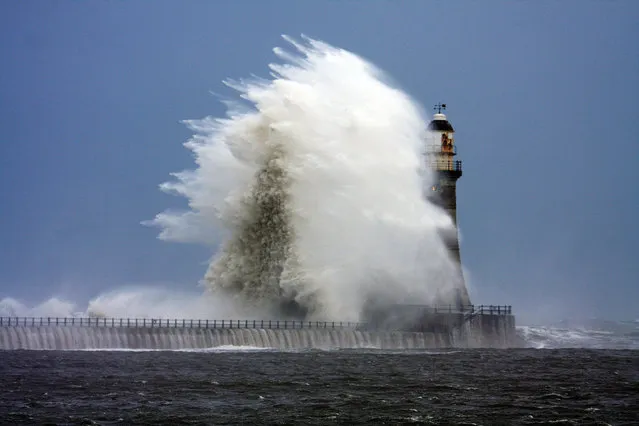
[440, 157]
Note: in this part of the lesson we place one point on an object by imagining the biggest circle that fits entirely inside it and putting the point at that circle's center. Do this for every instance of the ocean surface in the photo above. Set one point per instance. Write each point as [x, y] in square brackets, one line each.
[595, 333]
[232, 385]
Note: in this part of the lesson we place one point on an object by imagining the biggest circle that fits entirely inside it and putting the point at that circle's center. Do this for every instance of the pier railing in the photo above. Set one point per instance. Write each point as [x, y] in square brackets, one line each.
[169, 323]
[463, 309]
[225, 324]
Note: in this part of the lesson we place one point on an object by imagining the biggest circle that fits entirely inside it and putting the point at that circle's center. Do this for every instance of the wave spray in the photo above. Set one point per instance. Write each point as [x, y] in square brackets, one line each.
[314, 187]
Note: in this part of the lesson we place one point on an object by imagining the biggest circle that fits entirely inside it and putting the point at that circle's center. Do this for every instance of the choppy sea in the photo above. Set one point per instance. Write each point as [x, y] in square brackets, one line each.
[587, 375]
[592, 333]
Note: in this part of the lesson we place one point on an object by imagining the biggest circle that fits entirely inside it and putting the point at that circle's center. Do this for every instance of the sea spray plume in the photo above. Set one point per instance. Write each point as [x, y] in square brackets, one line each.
[318, 191]
[139, 301]
[160, 303]
[53, 307]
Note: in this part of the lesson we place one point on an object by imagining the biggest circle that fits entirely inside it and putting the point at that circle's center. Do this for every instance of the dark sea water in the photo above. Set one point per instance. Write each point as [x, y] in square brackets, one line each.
[234, 386]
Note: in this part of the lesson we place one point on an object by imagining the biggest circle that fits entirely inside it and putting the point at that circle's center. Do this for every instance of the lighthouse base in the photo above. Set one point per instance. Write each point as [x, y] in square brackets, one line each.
[466, 326]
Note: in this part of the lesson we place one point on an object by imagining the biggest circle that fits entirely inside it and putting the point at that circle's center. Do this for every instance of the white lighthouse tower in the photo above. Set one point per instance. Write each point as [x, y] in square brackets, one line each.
[440, 157]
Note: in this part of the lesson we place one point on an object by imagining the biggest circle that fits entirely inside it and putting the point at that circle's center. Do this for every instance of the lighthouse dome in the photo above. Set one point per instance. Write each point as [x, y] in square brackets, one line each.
[440, 123]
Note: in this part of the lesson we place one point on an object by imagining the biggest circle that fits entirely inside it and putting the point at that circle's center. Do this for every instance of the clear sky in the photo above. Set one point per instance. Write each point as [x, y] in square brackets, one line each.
[544, 97]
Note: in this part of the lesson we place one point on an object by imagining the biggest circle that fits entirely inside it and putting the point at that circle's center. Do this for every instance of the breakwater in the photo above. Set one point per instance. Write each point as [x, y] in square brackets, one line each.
[490, 327]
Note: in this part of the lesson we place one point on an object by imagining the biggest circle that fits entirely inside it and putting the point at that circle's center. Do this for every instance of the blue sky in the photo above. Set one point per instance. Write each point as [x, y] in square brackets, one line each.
[543, 96]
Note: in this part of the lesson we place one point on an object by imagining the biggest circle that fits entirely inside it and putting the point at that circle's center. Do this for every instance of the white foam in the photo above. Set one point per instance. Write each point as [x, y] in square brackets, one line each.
[223, 348]
[550, 337]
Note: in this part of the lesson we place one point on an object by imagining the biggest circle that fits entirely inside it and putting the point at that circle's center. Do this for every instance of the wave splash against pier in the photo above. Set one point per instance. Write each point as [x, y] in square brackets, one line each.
[316, 183]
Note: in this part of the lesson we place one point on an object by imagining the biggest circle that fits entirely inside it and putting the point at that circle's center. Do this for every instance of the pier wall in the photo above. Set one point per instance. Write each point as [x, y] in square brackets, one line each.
[452, 330]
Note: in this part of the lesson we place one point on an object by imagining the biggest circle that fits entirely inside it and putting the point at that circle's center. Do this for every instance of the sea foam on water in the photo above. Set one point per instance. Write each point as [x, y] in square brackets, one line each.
[315, 192]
